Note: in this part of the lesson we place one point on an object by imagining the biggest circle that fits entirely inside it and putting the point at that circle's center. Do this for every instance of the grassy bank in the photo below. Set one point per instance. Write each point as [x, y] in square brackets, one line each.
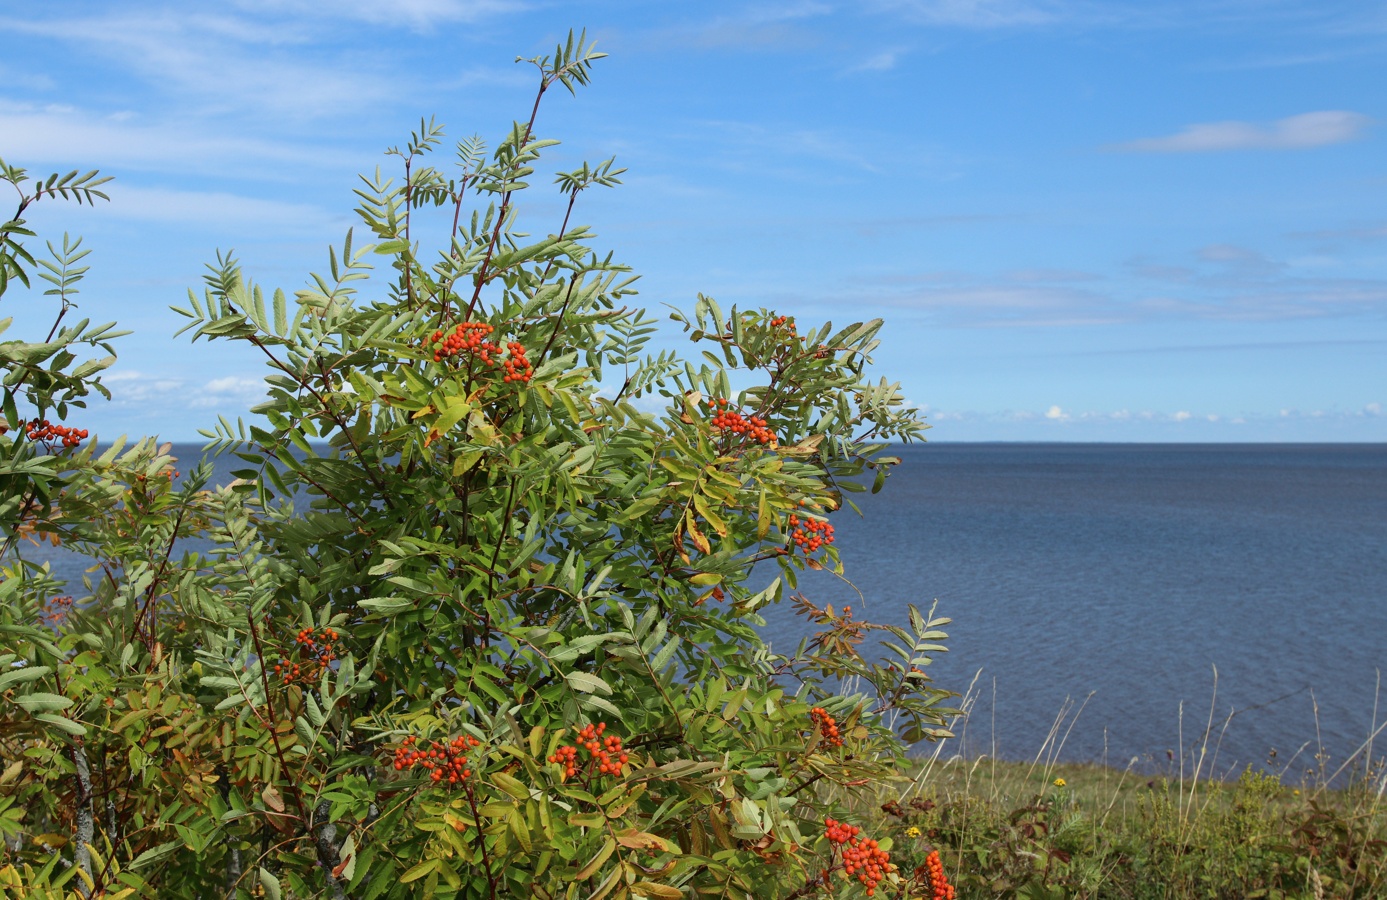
[1039, 830]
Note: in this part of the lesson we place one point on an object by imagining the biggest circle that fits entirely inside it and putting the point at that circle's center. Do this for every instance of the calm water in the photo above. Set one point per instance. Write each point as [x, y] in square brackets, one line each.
[1128, 572]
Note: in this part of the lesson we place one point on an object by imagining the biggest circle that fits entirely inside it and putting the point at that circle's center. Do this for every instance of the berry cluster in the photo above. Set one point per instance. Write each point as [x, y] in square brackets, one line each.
[567, 757]
[861, 855]
[55, 611]
[444, 762]
[810, 534]
[827, 726]
[939, 885]
[732, 422]
[517, 367]
[783, 320]
[318, 648]
[169, 472]
[43, 430]
[470, 336]
[321, 644]
[607, 752]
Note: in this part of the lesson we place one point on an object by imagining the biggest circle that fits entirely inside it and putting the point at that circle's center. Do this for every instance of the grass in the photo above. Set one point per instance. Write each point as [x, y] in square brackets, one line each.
[1049, 829]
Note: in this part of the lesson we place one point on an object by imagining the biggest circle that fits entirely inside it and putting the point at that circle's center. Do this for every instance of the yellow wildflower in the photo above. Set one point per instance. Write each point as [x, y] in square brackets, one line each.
[912, 832]
[1059, 782]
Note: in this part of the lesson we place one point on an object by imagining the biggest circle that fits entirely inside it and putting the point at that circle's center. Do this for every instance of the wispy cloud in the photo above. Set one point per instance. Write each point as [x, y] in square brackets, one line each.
[978, 13]
[152, 392]
[1353, 233]
[884, 61]
[210, 209]
[758, 26]
[417, 14]
[225, 64]
[62, 134]
[745, 146]
[1218, 282]
[1313, 129]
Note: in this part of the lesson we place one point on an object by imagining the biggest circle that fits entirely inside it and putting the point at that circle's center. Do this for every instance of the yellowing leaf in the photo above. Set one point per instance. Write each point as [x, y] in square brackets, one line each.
[699, 539]
[272, 798]
[644, 840]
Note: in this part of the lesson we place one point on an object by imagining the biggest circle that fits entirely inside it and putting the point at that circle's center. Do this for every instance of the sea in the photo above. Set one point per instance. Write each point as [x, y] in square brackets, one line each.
[1136, 605]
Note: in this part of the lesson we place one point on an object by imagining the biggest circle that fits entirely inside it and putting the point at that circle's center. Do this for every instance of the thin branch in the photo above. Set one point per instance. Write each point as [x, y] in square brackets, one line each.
[269, 708]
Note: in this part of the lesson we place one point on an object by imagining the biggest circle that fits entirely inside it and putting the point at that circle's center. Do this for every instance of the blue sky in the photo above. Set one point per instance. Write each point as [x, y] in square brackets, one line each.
[1126, 221]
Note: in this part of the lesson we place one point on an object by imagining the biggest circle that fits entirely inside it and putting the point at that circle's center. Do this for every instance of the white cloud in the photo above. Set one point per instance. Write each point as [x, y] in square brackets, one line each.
[1313, 129]
[1056, 414]
[1229, 284]
[59, 135]
[755, 26]
[1353, 233]
[878, 62]
[230, 393]
[210, 209]
[234, 384]
[978, 13]
[744, 146]
[418, 14]
[226, 63]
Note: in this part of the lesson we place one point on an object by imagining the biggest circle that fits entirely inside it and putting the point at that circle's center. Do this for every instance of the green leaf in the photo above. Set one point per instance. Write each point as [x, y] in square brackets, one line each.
[42, 702]
[387, 606]
[596, 862]
[587, 684]
[27, 673]
[510, 785]
[271, 885]
[419, 871]
[76, 729]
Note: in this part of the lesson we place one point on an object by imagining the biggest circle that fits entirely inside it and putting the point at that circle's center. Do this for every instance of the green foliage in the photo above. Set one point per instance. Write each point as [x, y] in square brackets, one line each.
[477, 521]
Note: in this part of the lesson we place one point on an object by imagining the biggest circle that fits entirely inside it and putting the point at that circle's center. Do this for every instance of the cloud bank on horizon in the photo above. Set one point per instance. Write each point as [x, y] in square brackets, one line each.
[1081, 220]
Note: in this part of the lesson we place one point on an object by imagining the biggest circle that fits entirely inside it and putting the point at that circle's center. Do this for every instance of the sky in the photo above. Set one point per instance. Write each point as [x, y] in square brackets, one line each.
[1082, 220]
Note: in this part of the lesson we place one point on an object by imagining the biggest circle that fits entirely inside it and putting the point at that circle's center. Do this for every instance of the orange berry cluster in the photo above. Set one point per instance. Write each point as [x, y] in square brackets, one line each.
[43, 430]
[810, 534]
[732, 422]
[55, 611]
[321, 644]
[444, 762]
[170, 472]
[321, 648]
[567, 757]
[939, 885]
[517, 367]
[470, 336]
[783, 320]
[606, 751]
[861, 855]
[827, 725]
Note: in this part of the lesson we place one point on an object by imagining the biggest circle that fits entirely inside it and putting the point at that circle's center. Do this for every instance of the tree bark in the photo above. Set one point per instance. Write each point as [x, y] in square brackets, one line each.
[83, 831]
[329, 854]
